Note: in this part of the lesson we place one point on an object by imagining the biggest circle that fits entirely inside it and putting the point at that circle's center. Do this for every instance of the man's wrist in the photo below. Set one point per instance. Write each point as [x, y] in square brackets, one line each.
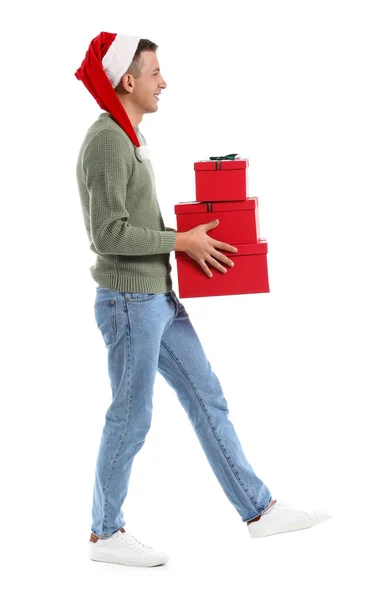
[181, 241]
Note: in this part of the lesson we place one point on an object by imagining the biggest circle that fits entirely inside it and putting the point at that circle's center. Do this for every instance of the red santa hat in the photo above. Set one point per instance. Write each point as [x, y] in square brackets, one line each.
[107, 59]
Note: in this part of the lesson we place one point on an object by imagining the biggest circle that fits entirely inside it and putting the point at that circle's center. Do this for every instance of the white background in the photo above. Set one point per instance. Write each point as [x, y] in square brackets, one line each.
[292, 86]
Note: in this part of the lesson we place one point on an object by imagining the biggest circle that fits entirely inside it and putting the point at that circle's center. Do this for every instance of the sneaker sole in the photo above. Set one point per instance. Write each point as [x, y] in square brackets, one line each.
[109, 558]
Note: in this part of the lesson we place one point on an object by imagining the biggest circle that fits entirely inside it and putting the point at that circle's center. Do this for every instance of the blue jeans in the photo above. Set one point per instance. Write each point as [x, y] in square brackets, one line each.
[143, 334]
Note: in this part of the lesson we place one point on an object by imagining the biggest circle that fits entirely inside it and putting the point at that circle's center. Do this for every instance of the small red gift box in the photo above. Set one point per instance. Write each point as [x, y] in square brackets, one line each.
[221, 180]
[238, 221]
[249, 275]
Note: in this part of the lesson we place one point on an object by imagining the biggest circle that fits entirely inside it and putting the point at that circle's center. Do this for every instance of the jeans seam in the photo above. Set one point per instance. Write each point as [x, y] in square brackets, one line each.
[123, 433]
[208, 418]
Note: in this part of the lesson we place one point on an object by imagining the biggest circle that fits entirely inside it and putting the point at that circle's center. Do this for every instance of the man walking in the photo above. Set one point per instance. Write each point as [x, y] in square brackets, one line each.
[144, 325]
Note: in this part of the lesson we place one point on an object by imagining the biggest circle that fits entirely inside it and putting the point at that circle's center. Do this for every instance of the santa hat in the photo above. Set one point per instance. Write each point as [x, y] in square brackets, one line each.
[107, 59]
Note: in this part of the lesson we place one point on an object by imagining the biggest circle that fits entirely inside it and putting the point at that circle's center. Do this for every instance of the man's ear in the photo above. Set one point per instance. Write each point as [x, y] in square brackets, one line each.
[128, 82]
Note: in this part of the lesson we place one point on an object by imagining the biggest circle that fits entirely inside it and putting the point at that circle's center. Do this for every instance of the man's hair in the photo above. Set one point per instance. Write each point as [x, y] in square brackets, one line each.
[137, 63]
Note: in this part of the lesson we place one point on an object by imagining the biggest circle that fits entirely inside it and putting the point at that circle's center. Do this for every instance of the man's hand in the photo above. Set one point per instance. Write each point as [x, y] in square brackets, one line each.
[200, 246]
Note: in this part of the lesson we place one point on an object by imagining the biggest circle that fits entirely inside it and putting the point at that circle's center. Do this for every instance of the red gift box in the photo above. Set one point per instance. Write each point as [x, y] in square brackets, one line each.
[249, 275]
[238, 221]
[221, 180]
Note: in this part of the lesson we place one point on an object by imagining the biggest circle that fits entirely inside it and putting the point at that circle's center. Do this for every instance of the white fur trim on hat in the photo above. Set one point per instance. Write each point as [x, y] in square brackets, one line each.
[119, 57]
[143, 153]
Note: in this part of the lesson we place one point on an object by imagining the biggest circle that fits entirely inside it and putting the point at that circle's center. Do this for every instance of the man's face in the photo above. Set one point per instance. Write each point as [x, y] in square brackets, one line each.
[149, 83]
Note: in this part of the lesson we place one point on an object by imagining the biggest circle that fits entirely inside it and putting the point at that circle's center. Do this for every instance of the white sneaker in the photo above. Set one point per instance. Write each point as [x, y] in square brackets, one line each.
[122, 548]
[280, 518]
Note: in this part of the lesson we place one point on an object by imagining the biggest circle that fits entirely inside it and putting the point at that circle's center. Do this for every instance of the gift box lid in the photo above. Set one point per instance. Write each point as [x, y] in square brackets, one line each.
[261, 247]
[216, 165]
[219, 206]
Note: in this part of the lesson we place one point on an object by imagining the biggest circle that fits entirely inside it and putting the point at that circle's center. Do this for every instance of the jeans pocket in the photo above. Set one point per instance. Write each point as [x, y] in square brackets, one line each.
[106, 318]
[138, 297]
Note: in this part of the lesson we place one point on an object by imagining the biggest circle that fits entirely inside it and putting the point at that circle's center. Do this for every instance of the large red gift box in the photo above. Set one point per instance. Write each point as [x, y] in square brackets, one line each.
[238, 221]
[249, 275]
[218, 180]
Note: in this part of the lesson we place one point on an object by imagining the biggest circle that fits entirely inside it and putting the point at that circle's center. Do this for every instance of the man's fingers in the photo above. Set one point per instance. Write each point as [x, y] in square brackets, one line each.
[205, 268]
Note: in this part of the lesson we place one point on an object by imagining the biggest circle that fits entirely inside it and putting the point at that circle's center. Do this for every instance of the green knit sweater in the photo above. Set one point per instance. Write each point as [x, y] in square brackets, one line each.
[121, 212]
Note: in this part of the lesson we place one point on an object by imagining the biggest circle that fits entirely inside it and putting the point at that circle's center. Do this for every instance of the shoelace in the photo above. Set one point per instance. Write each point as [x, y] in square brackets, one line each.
[134, 542]
[276, 504]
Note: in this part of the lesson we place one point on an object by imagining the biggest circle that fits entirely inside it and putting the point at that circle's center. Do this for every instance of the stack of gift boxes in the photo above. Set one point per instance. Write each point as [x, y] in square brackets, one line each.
[222, 193]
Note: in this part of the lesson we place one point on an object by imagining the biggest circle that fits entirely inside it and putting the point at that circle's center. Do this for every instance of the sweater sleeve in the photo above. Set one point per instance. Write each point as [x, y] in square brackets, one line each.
[170, 229]
[107, 166]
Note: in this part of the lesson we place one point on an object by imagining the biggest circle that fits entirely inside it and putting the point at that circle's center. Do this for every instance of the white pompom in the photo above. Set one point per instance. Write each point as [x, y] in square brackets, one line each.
[143, 153]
